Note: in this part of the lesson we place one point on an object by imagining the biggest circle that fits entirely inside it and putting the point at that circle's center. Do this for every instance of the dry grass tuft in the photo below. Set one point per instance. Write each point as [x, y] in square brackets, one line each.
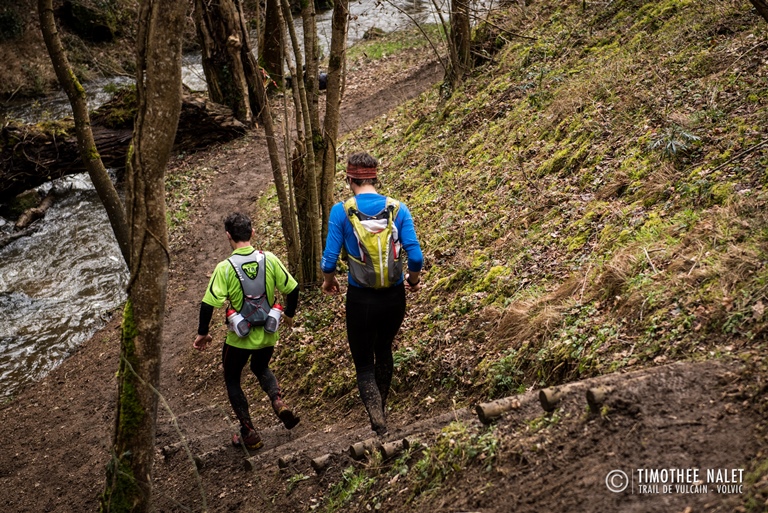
[612, 281]
[567, 289]
[737, 266]
[515, 325]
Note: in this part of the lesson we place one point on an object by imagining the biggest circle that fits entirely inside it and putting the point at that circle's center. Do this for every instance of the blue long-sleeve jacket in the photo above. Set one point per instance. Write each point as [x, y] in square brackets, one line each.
[341, 233]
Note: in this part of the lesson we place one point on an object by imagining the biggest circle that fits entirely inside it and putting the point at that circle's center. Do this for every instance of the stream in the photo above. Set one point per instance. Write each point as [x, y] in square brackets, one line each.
[61, 283]
[57, 285]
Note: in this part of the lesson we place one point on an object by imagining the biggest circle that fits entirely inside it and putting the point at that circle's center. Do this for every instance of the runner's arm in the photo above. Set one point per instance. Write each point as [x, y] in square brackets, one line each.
[291, 302]
[409, 240]
[206, 314]
[335, 239]
[203, 338]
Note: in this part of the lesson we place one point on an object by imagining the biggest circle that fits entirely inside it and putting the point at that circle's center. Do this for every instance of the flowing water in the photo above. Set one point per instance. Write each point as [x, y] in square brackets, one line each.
[58, 285]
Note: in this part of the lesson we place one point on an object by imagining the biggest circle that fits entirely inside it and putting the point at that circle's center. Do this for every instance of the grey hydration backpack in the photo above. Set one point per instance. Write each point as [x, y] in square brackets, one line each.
[251, 270]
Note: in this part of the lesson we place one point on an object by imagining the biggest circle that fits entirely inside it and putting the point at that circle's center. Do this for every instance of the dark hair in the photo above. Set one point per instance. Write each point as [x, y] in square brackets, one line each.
[362, 159]
[363, 181]
[239, 227]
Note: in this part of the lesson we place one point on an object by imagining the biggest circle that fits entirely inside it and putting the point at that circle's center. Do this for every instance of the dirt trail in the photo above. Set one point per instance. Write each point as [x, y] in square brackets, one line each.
[684, 415]
[55, 436]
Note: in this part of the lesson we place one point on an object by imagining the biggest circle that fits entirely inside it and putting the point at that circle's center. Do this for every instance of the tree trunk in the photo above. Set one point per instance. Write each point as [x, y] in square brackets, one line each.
[303, 205]
[270, 56]
[221, 40]
[85, 142]
[312, 89]
[762, 8]
[311, 243]
[312, 61]
[460, 40]
[255, 83]
[129, 474]
[333, 95]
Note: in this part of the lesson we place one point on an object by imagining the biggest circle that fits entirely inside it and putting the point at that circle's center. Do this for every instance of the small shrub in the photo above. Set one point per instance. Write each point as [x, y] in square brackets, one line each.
[455, 448]
[674, 143]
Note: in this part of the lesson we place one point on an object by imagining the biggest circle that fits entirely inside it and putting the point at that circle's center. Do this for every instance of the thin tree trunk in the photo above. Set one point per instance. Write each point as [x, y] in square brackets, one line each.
[312, 87]
[88, 151]
[312, 61]
[762, 7]
[311, 243]
[158, 84]
[460, 40]
[256, 84]
[333, 106]
[269, 51]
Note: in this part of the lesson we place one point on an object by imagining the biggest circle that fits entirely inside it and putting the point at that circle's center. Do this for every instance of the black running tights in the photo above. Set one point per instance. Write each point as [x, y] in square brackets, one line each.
[234, 360]
[374, 317]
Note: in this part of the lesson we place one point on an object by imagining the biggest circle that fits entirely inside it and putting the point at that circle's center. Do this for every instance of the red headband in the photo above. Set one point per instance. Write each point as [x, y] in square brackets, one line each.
[362, 173]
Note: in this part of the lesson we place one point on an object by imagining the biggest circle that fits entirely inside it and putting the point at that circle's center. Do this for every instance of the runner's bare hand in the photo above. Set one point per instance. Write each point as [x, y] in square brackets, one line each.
[330, 286]
[412, 287]
[201, 342]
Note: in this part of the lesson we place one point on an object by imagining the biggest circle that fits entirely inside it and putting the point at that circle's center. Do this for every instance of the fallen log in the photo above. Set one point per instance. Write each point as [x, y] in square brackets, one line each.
[31, 215]
[597, 396]
[287, 460]
[31, 155]
[392, 449]
[488, 412]
[321, 462]
[358, 450]
[7, 239]
[550, 398]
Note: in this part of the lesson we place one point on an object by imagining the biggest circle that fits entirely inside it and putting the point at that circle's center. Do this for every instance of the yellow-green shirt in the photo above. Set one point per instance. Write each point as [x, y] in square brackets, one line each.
[224, 286]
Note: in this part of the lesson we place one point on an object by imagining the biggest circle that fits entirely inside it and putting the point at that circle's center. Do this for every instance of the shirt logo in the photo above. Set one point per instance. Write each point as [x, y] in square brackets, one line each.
[251, 269]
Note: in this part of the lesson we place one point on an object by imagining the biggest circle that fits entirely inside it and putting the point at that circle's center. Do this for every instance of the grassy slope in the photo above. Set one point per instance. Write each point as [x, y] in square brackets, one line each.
[585, 204]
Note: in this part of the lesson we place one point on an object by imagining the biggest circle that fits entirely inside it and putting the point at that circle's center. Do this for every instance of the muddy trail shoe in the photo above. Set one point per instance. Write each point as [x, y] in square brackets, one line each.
[251, 440]
[380, 429]
[378, 422]
[285, 414]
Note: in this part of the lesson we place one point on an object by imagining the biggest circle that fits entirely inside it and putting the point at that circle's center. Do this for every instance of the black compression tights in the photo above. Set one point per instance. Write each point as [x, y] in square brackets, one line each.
[234, 360]
[373, 319]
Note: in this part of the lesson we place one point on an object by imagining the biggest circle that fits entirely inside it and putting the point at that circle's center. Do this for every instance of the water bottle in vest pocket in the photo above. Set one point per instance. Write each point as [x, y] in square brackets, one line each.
[236, 323]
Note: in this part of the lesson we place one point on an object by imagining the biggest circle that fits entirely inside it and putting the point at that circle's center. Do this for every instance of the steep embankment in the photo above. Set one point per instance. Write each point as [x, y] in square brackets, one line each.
[591, 200]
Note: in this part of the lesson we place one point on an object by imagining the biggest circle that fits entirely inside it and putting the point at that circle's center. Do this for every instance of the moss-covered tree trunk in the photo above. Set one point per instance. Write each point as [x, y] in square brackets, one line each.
[335, 86]
[129, 474]
[85, 142]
